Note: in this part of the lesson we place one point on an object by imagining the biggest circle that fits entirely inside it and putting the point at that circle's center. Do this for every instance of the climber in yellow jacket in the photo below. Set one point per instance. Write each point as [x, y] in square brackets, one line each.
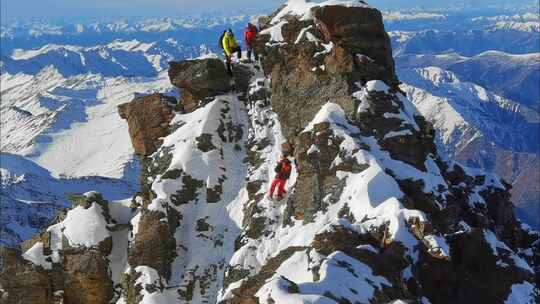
[230, 46]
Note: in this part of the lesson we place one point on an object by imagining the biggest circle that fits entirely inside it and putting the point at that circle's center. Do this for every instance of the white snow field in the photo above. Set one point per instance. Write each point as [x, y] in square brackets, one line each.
[63, 124]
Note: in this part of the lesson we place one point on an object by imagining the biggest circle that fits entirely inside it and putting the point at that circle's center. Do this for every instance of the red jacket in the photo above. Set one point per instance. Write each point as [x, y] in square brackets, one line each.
[250, 33]
[283, 169]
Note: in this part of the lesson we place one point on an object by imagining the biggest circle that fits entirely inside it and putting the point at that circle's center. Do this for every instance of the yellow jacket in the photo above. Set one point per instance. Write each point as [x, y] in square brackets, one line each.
[229, 43]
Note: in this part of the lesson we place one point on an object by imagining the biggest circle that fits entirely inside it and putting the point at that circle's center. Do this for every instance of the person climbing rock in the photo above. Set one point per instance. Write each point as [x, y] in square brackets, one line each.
[230, 46]
[283, 172]
[249, 36]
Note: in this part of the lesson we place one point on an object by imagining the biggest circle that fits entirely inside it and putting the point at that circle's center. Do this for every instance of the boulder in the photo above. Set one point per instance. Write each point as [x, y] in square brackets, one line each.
[198, 79]
[88, 271]
[80, 275]
[154, 244]
[358, 30]
[21, 281]
[148, 118]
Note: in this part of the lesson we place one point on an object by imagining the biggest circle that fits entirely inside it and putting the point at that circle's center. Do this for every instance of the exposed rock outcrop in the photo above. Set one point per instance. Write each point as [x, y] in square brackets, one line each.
[22, 281]
[198, 80]
[148, 118]
[61, 265]
[323, 59]
[359, 31]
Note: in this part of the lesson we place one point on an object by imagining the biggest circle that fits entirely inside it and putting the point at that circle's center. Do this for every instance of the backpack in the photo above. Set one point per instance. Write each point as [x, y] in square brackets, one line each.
[221, 40]
[250, 34]
[283, 169]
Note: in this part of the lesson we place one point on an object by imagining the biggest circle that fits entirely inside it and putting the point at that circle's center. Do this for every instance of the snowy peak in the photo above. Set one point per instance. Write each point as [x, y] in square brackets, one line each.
[38, 29]
[118, 58]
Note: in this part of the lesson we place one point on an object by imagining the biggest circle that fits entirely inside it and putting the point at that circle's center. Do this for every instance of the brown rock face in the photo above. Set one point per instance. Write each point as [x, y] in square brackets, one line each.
[317, 178]
[79, 276]
[352, 48]
[148, 118]
[87, 271]
[21, 281]
[154, 244]
[198, 79]
[359, 31]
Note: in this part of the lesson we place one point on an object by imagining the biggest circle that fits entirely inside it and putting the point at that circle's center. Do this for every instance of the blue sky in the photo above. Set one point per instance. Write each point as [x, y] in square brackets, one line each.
[58, 10]
[14, 10]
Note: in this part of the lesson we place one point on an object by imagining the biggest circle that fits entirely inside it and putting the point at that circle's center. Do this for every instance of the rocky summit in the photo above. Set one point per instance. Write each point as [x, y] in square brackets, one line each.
[373, 213]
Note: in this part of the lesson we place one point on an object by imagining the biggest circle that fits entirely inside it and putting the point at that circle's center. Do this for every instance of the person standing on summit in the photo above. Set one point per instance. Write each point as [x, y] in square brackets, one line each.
[230, 46]
[249, 36]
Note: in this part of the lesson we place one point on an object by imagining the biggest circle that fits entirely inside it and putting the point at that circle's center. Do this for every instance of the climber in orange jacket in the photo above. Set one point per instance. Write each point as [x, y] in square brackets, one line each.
[249, 36]
[283, 172]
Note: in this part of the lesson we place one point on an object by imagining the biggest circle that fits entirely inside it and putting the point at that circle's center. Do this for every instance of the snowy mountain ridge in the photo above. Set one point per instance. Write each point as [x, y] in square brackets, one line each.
[526, 22]
[481, 107]
[118, 58]
[373, 212]
[68, 127]
[37, 29]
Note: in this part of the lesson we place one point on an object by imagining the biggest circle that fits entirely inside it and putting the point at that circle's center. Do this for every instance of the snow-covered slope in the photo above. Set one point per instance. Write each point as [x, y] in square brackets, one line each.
[481, 129]
[451, 104]
[512, 76]
[59, 111]
[69, 124]
[31, 197]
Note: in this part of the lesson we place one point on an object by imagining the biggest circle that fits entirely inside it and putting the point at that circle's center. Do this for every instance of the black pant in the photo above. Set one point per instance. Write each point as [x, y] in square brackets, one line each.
[236, 50]
[251, 50]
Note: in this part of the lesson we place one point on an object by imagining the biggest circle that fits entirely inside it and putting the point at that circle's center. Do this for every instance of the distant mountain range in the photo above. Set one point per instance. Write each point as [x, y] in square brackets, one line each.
[118, 58]
[482, 130]
[480, 89]
[60, 86]
[513, 76]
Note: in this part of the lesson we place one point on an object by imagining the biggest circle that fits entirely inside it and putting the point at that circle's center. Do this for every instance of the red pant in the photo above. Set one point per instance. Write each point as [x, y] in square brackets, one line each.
[280, 183]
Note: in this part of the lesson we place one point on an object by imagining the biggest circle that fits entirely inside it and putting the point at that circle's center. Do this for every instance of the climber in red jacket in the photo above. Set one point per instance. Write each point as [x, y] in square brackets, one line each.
[249, 36]
[283, 172]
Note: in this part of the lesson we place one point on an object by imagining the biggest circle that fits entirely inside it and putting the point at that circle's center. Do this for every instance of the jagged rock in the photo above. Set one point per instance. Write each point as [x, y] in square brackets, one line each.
[22, 282]
[242, 76]
[199, 79]
[359, 31]
[148, 118]
[354, 36]
[315, 152]
[154, 244]
[88, 271]
[73, 273]
[473, 275]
